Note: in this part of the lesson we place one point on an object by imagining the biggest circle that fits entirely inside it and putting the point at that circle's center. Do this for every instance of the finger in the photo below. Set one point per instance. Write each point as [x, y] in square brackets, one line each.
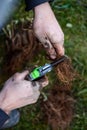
[57, 40]
[59, 49]
[20, 76]
[43, 81]
[38, 85]
[49, 49]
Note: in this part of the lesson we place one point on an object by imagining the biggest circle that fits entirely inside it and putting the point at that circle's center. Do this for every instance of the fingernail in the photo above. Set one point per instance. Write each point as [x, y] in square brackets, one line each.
[61, 51]
[53, 56]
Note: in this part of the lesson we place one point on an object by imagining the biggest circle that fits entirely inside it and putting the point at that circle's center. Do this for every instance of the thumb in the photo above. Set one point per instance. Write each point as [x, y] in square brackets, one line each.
[21, 76]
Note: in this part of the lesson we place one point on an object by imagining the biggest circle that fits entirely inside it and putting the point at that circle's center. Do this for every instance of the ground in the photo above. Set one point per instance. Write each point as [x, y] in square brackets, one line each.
[72, 17]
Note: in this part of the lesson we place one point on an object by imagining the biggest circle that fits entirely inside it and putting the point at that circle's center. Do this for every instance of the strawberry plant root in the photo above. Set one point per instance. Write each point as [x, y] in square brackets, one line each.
[58, 109]
[20, 48]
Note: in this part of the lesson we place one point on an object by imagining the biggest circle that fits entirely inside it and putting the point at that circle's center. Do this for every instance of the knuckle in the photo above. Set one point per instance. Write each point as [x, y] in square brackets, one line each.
[58, 39]
[34, 101]
[38, 35]
[61, 40]
[16, 75]
[52, 34]
[36, 96]
[56, 36]
[36, 30]
[36, 87]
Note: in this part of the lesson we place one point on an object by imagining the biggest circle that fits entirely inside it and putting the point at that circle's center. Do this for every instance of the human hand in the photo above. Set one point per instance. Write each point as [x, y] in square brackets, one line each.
[18, 92]
[48, 30]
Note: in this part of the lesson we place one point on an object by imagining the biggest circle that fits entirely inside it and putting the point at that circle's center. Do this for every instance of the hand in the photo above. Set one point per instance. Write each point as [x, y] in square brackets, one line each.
[18, 92]
[48, 30]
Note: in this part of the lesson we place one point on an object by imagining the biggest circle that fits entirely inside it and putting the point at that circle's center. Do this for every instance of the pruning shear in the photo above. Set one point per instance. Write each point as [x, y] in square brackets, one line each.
[39, 72]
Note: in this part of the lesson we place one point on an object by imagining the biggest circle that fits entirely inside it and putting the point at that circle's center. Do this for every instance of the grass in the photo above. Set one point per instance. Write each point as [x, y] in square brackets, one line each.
[75, 14]
[76, 48]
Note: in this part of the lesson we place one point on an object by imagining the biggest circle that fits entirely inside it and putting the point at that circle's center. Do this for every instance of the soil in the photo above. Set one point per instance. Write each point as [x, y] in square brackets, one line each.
[58, 109]
[21, 47]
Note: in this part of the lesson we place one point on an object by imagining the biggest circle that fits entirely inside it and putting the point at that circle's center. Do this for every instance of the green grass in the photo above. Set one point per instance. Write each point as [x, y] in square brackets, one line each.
[76, 48]
[67, 11]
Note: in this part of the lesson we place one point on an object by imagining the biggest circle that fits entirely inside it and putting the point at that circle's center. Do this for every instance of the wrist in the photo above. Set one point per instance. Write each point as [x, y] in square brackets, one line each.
[2, 105]
[5, 110]
[40, 7]
[43, 11]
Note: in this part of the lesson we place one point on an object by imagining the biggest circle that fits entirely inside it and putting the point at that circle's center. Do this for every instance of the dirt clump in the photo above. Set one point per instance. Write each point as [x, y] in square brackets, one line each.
[58, 109]
[21, 47]
[66, 73]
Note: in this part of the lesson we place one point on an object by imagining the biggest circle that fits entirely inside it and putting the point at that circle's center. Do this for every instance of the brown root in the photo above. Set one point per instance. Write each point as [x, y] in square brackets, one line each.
[65, 72]
[21, 48]
[59, 107]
